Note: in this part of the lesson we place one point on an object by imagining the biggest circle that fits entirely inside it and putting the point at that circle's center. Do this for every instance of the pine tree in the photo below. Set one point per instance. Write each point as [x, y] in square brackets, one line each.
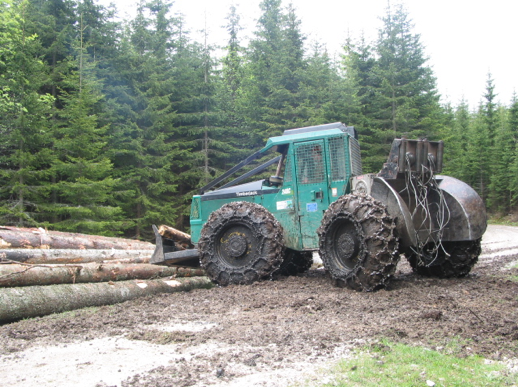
[274, 71]
[493, 156]
[501, 158]
[81, 174]
[358, 65]
[232, 62]
[477, 155]
[24, 113]
[456, 146]
[53, 21]
[151, 149]
[230, 94]
[513, 127]
[320, 91]
[490, 110]
[406, 100]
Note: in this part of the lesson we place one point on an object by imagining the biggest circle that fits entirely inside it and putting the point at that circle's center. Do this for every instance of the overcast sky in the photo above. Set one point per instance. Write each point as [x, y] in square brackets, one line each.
[464, 39]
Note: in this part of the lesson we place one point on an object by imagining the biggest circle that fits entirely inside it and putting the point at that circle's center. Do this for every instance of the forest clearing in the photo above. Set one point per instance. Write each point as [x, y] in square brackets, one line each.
[110, 126]
[270, 333]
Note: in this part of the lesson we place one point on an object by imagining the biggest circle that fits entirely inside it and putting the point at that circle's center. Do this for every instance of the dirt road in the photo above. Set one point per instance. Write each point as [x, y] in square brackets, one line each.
[270, 333]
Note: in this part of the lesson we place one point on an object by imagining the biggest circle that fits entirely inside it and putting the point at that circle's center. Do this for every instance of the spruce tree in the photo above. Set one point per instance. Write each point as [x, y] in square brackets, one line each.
[477, 154]
[320, 91]
[489, 122]
[513, 127]
[358, 63]
[229, 96]
[81, 174]
[456, 144]
[501, 159]
[490, 110]
[150, 152]
[405, 100]
[274, 71]
[24, 112]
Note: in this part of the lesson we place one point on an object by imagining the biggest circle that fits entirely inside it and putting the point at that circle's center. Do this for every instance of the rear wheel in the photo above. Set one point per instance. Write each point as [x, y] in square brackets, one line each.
[357, 243]
[446, 260]
[295, 262]
[240, 243]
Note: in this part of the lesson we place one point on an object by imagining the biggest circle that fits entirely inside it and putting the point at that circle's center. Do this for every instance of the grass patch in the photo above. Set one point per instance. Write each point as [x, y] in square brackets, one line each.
[389, 364]
[503, 221]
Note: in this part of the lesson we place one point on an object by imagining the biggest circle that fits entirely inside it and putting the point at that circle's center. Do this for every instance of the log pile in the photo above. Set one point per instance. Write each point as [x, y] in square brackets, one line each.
[43, 272]
[38, 238]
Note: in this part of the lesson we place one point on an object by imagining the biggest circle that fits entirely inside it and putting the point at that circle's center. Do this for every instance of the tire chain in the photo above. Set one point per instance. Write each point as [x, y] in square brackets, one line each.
[455, 259]
[257, 218]
[387, 256]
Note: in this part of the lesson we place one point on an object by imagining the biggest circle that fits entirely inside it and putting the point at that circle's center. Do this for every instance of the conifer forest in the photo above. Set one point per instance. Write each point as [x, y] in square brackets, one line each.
[109, 126]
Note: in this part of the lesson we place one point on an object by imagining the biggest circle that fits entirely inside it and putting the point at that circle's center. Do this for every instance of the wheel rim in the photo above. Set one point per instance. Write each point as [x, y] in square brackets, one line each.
[344, 240]
[236, 245]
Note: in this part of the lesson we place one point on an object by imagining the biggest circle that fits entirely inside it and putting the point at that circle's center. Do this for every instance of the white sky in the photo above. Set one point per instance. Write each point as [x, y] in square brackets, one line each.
[464, 39]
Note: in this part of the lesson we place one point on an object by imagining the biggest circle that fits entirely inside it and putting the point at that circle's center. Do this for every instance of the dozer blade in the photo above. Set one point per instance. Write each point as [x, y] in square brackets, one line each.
[167, 253]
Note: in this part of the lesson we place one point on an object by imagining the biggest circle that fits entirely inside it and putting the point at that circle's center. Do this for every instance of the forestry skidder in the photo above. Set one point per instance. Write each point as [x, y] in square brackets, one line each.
[319, 199]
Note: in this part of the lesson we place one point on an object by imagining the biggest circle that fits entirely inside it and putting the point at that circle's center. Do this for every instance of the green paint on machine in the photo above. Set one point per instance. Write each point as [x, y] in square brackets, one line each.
[314, 166]
[318, 199]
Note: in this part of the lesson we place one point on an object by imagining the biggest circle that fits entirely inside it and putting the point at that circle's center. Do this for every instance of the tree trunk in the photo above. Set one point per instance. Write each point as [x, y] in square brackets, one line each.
[14, 238]
[29, 275]
[32, 301]
[176, 235]
[64, 256]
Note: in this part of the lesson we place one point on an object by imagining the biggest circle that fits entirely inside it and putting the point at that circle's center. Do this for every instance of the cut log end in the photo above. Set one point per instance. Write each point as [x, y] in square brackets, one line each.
[180, 237]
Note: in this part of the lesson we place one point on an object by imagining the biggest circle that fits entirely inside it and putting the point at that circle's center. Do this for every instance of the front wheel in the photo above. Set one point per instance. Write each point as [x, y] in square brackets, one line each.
[241, 243]
[357, 243]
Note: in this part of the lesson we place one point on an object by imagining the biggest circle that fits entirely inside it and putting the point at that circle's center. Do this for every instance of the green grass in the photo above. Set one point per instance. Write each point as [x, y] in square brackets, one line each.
[388, 364]
[502, 221]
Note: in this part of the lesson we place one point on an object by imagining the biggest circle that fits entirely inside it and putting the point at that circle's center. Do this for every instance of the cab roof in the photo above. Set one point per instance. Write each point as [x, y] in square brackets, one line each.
[303, 136]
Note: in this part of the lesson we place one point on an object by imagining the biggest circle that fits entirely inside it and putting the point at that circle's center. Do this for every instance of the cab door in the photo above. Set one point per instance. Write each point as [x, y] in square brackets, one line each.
[312, 189]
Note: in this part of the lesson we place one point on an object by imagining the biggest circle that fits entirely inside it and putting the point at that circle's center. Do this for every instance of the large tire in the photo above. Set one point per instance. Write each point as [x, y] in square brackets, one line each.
[452, 259]
[241, 243]
[295, 262]
[357, 243]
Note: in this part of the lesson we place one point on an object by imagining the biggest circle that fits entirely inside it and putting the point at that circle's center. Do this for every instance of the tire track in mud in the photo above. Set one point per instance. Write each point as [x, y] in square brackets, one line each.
[269, 333]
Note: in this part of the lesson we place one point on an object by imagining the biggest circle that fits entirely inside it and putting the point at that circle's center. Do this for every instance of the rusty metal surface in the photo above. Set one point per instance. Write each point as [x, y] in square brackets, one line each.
[390, 168]
[464, 210]
[421, 156]
[397, 209]
[467, 210]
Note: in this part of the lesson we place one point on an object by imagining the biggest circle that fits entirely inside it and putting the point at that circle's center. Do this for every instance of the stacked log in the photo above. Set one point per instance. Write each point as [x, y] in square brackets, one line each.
[44, 272]
[38, 238]
[181, 240]
[34, 275]
[33, 301]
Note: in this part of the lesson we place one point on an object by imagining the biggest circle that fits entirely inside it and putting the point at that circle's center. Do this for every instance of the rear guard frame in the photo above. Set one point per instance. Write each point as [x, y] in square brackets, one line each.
[467, 219]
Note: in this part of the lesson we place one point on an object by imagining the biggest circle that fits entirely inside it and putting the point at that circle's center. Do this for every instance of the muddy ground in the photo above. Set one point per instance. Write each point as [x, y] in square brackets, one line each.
[268, 334]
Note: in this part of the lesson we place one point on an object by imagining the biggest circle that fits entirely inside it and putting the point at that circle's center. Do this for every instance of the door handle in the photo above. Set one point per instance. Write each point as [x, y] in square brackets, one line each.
[317, 195]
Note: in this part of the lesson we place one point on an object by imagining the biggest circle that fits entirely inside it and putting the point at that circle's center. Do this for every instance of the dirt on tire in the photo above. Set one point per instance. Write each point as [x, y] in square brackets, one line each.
[269, 333]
